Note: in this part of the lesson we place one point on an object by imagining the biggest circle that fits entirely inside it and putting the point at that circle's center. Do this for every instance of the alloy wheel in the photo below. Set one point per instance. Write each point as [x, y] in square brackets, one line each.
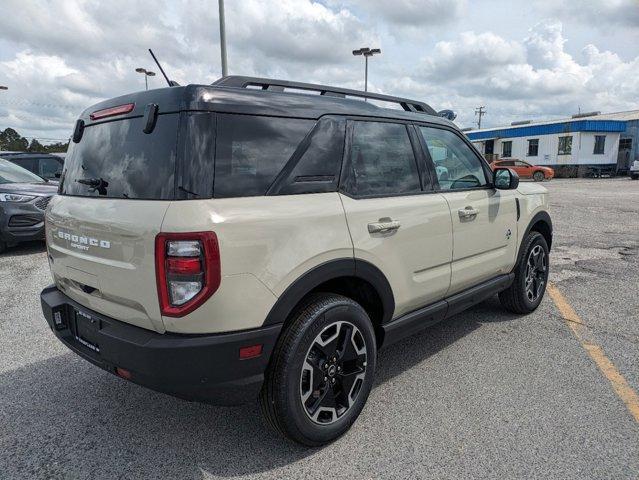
[333, 372]
[536, 273]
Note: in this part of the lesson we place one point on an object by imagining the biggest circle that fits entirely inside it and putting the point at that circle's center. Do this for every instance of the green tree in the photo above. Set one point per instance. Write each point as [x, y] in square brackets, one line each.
[36, 146]
[13, 141]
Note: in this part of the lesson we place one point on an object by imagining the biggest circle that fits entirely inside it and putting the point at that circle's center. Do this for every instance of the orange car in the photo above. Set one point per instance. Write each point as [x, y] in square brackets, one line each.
[525, 170]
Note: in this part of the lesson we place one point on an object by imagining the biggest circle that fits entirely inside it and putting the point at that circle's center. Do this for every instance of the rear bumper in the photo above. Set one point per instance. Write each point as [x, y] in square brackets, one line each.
[202, 368]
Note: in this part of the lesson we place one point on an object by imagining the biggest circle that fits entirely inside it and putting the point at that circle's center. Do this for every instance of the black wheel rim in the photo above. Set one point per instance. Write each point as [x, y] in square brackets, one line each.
[333, 372]
[536, 273]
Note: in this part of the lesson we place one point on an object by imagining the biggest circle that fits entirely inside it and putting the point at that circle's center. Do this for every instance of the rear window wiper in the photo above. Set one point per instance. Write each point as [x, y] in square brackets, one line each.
[96, 184]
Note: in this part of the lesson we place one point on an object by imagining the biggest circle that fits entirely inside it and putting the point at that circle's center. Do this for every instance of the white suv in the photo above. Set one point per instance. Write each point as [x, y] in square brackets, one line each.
[241, 240]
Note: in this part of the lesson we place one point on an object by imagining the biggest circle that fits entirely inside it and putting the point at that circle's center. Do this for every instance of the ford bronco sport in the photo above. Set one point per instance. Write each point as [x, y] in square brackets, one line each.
[258, 238]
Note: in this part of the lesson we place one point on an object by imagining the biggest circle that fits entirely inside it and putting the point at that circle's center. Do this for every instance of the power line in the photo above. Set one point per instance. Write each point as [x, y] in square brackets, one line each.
[480, 112]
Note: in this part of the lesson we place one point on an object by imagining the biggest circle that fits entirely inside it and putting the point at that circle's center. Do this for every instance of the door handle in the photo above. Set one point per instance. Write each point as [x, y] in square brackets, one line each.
[384, 225]
[468, 213]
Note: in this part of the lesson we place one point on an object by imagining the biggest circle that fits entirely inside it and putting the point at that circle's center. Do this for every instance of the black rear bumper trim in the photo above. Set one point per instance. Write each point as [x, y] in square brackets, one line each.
[202, 368]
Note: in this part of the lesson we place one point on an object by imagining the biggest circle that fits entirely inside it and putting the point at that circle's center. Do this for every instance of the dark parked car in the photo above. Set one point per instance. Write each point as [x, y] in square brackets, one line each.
[44, 165]
[23, 198]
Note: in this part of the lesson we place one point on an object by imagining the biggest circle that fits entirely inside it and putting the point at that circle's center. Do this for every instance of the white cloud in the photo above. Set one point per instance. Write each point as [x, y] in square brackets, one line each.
[60, 56]
[414, 13]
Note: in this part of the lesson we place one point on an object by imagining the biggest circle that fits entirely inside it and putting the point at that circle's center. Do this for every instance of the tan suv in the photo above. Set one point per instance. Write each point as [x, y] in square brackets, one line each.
[261, 238]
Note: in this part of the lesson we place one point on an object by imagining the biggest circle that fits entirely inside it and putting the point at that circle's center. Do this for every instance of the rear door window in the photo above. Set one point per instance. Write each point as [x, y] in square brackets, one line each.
[381, 161]
[118, 160]
[251, 150]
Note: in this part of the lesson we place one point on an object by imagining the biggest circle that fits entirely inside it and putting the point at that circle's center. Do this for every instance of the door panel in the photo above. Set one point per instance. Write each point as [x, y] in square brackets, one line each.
[482, 244]
[484, 219]
[404, 232]
[415, 257]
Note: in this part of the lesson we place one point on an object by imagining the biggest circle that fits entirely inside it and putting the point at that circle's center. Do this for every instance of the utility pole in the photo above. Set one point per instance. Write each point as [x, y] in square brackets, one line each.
[225, 71]
[480, 112]
[367, 52]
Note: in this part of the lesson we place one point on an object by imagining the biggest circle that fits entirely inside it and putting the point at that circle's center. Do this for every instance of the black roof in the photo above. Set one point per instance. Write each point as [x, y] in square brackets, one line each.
[259, 96]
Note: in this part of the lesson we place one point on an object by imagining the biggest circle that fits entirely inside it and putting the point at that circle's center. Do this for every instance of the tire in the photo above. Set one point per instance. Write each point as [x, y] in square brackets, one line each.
[634, 177]
[538, 176]
[3, 246]
[524, 295]
[295, 399]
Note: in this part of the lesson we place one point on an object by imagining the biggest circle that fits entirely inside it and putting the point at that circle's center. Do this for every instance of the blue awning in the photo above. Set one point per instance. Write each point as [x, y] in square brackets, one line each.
[551, 128]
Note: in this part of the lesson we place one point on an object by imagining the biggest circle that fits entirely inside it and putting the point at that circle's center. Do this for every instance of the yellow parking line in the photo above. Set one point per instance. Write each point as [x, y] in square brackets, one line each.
[583, 334]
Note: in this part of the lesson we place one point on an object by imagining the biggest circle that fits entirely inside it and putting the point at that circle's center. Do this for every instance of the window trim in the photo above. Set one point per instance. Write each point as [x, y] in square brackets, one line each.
[431, 164]
[282, 179]
[346, 159]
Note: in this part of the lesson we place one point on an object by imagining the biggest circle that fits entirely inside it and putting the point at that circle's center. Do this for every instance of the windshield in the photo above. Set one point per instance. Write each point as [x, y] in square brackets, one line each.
[12, 173]
[118, 160]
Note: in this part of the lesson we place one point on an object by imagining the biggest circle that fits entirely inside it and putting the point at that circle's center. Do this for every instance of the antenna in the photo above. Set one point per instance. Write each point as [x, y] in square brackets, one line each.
[170, 82]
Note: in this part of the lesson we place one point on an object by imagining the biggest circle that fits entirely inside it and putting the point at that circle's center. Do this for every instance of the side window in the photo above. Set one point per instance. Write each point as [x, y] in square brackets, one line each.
[317, 169]
[48, 167]
[28, 163]
[381, 161]
[456, 165]
[251, 151]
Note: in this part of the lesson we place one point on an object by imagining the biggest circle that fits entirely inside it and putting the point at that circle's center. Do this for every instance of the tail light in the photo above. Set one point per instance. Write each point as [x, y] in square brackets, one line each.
[112, 111]
[187, 267]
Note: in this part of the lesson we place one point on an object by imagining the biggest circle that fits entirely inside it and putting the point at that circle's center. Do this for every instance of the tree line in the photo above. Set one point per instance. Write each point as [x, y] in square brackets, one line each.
[12, 141]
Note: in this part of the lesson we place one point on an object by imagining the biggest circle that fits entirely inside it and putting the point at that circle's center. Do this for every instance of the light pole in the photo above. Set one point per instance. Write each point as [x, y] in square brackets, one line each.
[367, 52]
[147, 74]
[225, 71]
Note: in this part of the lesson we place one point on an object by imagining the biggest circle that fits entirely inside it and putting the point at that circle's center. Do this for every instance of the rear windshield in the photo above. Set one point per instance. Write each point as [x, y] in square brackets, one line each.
[118, 160]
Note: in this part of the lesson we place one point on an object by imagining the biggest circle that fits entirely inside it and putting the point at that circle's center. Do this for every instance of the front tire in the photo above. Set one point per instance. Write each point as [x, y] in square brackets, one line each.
[531, 276]
[321, 371]
[3, 246]
[538, 176]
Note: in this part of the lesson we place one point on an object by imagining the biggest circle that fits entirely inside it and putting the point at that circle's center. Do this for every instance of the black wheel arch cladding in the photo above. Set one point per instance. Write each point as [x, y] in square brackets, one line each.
[333, 270]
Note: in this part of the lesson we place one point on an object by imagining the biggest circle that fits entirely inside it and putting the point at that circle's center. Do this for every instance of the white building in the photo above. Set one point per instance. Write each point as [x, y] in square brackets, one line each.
[571, 146]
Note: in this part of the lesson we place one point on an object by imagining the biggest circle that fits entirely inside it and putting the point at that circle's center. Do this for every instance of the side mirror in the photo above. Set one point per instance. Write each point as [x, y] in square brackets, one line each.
[505, 179]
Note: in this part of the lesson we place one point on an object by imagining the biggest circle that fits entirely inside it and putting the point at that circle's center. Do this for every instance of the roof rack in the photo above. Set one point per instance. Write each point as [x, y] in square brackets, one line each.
[272, 85]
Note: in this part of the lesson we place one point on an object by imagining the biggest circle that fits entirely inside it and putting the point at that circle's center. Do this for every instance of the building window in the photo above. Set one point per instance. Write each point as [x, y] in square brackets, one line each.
[533, 147]
[507, 149]
[625, 144]
[600, 143]
[565, 146]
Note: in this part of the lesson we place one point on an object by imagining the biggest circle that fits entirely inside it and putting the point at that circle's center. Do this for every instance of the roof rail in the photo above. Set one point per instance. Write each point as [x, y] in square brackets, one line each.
[272, 85]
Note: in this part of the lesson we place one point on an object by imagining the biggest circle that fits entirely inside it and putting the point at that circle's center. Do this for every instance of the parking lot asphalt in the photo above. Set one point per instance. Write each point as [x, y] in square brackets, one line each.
[485, 395]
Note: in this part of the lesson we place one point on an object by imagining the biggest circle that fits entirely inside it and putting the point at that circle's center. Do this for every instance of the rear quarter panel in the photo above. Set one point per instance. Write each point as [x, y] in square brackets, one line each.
[266, 243]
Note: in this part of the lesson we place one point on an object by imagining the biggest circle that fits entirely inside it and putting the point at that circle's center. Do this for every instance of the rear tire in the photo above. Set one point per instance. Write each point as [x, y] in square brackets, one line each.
[531, 276]
[538, 176]
[634, 177]
[321, 371]
[3, 246]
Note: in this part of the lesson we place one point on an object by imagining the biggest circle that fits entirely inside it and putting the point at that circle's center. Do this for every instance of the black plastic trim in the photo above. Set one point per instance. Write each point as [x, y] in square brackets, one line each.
[204, 368]
[411, 323]
[539, 216]
[347, 267]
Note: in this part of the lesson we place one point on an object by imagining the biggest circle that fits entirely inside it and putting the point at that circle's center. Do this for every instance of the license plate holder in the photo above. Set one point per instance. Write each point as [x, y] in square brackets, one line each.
[86, 329]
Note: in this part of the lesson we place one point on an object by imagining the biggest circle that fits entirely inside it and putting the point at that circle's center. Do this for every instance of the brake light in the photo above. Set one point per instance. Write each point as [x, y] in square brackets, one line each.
[112, 111]
[187, 269]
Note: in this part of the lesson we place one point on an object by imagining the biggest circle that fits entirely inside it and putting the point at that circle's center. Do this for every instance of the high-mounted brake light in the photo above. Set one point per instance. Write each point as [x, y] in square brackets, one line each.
[187, 269]
[112, 111]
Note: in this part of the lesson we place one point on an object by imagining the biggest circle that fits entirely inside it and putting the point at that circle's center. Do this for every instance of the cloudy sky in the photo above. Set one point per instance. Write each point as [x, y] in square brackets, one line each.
[521, 61]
